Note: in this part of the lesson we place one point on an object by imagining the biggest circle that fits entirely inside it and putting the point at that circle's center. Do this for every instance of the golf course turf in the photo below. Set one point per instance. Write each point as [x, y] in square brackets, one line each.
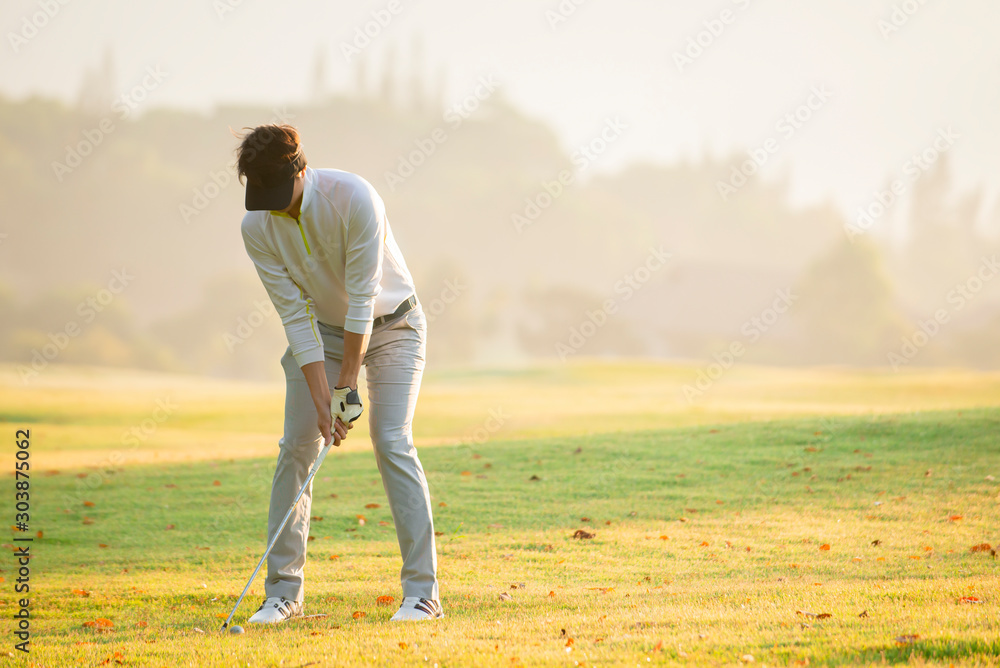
[838, 524]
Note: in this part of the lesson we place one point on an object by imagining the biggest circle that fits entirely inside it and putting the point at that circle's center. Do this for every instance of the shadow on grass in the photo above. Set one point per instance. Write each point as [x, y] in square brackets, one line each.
[931, 649]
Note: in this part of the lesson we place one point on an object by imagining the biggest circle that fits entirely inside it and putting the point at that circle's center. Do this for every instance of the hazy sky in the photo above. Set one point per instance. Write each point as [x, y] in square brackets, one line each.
[889, 94]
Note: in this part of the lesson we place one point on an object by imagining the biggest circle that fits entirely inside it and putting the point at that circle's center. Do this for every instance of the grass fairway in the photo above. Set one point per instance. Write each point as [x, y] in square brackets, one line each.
[721, 529]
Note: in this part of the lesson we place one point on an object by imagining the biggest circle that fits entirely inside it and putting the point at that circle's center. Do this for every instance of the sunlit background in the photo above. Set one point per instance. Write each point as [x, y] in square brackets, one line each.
[729, 182]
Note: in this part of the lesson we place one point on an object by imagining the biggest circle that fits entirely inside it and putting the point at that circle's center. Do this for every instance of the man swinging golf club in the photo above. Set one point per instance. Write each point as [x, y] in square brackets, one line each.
[321, 244]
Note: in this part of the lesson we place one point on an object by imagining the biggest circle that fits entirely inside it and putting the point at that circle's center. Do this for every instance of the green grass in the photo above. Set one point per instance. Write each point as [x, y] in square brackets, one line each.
[708, 530]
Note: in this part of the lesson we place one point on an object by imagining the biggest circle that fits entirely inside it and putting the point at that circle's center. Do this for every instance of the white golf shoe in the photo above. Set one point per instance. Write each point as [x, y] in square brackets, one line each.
[414, 608]
[276, 609]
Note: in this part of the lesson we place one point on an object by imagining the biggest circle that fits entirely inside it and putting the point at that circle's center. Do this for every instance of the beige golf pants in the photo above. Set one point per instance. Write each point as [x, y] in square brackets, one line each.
[394, 364]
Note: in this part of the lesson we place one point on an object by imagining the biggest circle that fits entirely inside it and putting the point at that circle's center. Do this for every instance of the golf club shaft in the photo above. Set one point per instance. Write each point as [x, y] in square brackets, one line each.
[281, 527]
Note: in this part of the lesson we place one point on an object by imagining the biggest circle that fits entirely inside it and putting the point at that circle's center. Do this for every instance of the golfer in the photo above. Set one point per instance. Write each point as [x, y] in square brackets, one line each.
[321, 244]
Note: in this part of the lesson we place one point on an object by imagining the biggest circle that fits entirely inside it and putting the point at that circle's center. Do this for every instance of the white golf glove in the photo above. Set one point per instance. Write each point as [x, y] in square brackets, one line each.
[346, 405]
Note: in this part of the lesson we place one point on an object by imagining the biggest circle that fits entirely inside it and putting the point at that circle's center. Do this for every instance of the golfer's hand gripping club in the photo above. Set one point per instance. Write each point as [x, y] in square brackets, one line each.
[345, 405]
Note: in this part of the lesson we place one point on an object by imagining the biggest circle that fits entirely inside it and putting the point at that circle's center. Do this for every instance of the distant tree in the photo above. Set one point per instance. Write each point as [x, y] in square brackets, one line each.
[847, 308]
[97, 93]
[318, 88]
[566, 321]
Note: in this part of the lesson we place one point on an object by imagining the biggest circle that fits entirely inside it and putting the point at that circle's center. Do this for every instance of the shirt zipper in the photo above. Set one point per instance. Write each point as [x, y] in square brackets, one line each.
[304, 240]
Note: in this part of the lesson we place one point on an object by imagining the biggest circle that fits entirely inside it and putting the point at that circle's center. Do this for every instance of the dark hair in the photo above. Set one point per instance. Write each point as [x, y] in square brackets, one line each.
[265, 150]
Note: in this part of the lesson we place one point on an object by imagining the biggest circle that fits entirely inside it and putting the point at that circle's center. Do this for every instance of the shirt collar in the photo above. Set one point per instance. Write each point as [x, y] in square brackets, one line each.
[307, 191]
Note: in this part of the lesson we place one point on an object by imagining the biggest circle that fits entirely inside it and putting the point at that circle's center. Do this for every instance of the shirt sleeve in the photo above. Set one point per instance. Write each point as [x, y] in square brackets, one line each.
[297, 310]
[363, 273]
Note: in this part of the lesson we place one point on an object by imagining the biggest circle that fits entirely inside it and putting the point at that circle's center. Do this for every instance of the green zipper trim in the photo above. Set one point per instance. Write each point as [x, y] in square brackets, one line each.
[304, 240]
[312, 319]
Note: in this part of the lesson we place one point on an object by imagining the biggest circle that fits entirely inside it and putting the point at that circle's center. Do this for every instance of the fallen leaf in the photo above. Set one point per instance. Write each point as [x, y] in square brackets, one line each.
[954, 518]
[584, 519]
[704, 543]
[982, 547]
[402, 645]
[876, 543]
[907, 639]
[466, 472]
[504, 596]
[442, 504]
[102, 545]
[39, 534]
[552, 594]
[534, 478]
[825, 547]
[87, 520]
[439, 533]
[969, 599]
[216, 483]
[315, 518]
[372, 505]
[142, 624]
[863, 613]
[357, 614]
[81, 592]
[334, 556]
[385, 600]
[170, 526]
[100, 623]
[88, 504]
[664, 537]
[580, 533]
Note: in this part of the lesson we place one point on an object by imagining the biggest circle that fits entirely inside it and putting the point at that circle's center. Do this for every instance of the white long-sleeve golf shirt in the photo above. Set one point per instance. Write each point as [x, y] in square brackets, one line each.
[338, 263]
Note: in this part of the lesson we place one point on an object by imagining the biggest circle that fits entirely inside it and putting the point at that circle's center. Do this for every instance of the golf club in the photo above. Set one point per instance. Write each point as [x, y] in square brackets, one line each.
[281, 527]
